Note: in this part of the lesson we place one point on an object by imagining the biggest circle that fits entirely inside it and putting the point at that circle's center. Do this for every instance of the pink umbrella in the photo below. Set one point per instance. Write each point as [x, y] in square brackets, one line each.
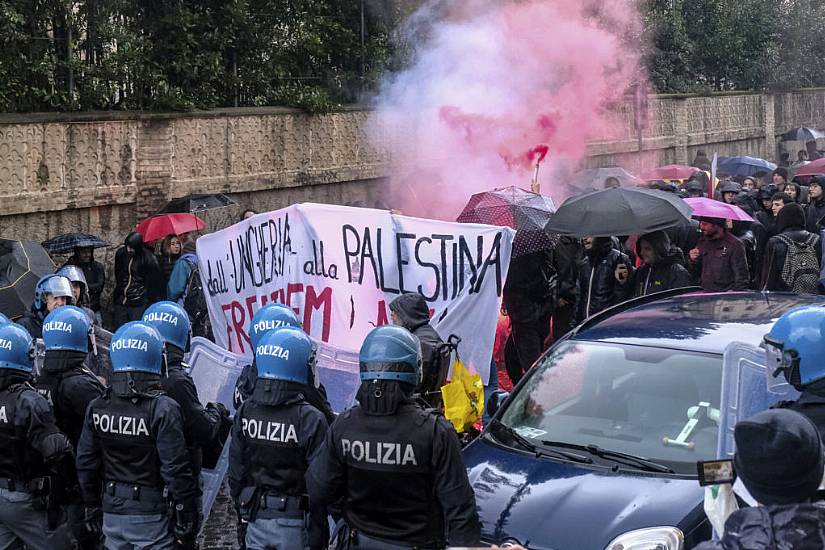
[671, 172]
[814, 168]
[710, 208]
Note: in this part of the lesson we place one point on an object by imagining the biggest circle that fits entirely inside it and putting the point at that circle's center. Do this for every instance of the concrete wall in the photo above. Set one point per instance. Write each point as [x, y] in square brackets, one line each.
[103, 172]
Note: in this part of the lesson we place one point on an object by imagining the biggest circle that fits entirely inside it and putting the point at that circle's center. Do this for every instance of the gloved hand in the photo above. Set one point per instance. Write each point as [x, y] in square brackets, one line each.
[222, 410]
[88, 530]
[186, 526]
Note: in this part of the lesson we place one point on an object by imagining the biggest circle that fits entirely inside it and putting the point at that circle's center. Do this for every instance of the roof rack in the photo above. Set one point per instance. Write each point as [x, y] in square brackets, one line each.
[633, 302]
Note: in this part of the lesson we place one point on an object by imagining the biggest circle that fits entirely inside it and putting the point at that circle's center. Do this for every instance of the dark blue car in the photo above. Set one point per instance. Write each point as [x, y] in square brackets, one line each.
[595, 448]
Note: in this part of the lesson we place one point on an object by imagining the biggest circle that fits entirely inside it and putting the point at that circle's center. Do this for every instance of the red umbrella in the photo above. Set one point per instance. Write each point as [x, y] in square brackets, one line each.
[710, 208]
[158, 227]
[815, 168]
[671, 172]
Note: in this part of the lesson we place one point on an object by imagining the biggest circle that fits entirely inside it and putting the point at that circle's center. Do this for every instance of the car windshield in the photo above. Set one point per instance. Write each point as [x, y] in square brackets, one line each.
[655, 403]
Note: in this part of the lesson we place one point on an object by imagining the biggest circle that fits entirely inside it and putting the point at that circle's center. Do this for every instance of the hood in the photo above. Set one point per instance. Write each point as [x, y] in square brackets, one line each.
[558, 506]
[792, 216]
[660, 243]
[790, 526]
[412, 309]
[277, 392]
[601, 247]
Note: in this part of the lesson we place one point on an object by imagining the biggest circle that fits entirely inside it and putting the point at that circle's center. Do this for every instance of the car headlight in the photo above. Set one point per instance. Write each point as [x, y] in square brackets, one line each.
[653, 538]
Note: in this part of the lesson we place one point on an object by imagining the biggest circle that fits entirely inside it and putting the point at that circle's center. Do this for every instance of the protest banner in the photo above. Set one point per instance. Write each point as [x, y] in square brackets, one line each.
[339, 268]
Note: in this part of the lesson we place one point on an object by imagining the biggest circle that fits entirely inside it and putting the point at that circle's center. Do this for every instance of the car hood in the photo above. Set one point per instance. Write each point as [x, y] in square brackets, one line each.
[559, 506]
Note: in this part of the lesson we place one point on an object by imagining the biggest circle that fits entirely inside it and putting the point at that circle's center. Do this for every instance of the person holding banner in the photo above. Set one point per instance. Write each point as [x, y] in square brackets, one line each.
[275, 435]
[397, 467]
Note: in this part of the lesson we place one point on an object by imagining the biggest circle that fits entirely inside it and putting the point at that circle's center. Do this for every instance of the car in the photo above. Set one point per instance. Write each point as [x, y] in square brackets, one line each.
[596, 448]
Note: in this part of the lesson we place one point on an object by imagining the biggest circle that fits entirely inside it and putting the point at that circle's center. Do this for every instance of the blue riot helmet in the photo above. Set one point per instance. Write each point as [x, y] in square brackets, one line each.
[51, 285]
[270, 317]
[391, 352]
[16, 348]
[171, 321]
[136, 347]
[286, 354]
[795, 346]
[67, 328]
[76, 276]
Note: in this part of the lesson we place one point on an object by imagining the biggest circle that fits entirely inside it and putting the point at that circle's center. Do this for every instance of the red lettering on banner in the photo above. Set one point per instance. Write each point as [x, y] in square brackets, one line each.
[225, 308]
[238, 318]
[317, 301]
[382, 314]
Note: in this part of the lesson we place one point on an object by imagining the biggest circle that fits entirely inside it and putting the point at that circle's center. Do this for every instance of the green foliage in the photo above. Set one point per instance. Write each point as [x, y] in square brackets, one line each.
[186, 54]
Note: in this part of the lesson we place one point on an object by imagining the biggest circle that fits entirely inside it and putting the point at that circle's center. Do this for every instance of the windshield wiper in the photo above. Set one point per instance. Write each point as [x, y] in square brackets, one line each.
[539, 451]
[616, 456]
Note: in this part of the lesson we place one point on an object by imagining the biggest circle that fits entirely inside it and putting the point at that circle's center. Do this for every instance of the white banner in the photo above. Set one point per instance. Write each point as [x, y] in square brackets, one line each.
[339, 267]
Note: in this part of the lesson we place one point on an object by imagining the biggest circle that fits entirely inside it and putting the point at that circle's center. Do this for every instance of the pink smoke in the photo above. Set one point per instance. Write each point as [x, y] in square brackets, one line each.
[495, 87]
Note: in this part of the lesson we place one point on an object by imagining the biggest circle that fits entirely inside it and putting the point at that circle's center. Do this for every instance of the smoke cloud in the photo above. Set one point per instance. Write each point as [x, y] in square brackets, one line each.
[495, 86]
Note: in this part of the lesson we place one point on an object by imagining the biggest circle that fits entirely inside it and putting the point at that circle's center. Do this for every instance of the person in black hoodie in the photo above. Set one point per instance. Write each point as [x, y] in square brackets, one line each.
[410, 311]
[528, 301]
[94, 272]
[815, 215]
[790, 229]
[604, 277]
[566, 258]
[663, 267]
[138, 280]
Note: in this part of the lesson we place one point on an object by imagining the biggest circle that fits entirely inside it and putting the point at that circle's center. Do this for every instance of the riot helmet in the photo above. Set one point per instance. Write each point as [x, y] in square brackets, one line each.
[271, 317]
[391, 352]
[76, 277]
[137, 347]
[16, 348]
[795, 346]
[68, 329]
[52, 285]
[286, 354]
[171, 321]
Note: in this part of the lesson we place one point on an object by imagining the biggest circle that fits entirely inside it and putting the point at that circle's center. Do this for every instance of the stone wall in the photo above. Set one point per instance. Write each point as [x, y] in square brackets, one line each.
[102, 173]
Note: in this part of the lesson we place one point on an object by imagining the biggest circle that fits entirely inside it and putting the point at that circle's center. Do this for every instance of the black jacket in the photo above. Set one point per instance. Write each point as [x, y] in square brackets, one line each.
[789, 226]
[528, 291]
[414, 314]
[32, 321]
[815, 216]
[138, 280]
[95, 279]
[791, 527]
[598, 287]
[566, 259]
[668, 273]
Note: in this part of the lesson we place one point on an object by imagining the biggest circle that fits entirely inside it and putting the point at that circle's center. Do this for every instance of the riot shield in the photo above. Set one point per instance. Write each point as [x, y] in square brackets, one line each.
[746, 390]
[338, 371]
[99, 363]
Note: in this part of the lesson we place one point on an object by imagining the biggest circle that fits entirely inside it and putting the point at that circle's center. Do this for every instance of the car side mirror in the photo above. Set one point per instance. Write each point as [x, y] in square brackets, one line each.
[496, 400]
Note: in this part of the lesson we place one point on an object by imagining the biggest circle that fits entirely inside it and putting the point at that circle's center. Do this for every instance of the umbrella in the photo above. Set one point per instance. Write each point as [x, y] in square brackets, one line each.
[802, 134]
[671, 172]
[596, 177]
[814, 168]
[159, 226]
[63, 244]
[710, 208]
[197, 203]
[522, 210]
[22, 264]
[621, 211]
[744, 166]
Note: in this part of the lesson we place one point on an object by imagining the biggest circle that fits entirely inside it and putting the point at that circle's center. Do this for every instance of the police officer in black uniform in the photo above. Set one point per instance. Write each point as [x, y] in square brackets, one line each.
[132, 457]
[201, 425]
[275, 436]
[69, 387]
[33, 448]
[398, 466]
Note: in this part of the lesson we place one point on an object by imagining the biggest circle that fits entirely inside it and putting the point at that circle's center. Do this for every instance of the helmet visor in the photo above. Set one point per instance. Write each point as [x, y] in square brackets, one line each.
[58, 286]
[73, 273]
[778, 363]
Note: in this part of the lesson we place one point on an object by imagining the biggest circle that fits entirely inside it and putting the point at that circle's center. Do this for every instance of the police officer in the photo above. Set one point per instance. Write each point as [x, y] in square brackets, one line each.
[80, 292]
[51, 292]
[132, 458]
[398, 466]
[201, 425]
[275, 436]
[268, 318]
[795, 350]
[33, 447]
[69, 387]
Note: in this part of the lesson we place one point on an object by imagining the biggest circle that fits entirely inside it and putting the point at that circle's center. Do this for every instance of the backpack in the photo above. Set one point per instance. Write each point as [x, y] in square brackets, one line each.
[800, 273]
[194, 301]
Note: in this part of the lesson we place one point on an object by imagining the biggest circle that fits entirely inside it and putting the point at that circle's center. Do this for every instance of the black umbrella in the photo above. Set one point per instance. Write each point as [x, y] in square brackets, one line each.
[22, 264]
[63, 244]
[620, 211]
[197, 203]
[596, 178]
[802, 134]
